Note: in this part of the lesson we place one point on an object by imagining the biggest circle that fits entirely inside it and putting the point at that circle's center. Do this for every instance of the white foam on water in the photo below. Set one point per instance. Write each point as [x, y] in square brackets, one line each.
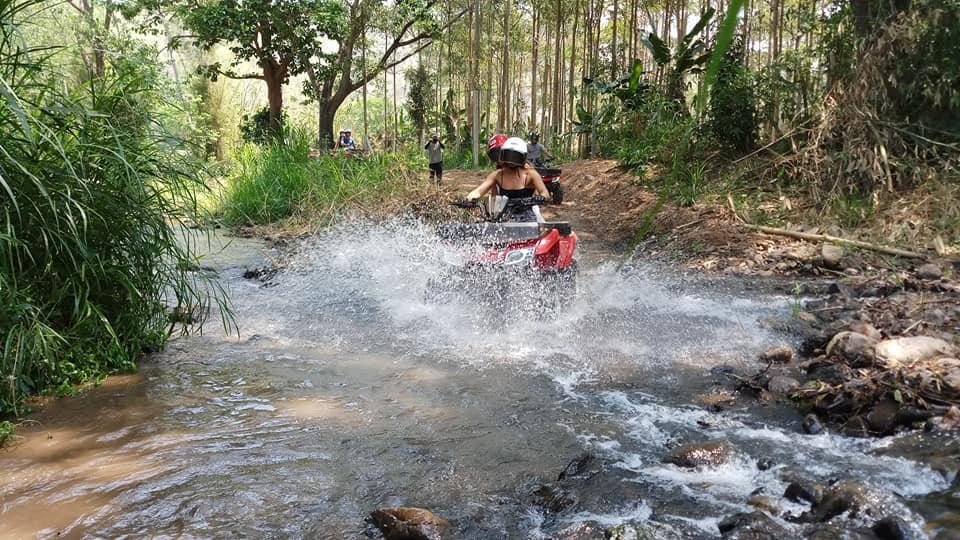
[636, 512]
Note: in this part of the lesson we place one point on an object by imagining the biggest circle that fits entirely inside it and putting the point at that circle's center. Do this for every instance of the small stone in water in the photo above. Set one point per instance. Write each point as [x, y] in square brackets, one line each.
[796, 493]
[811, 424]
[779, 354]
[892, 528]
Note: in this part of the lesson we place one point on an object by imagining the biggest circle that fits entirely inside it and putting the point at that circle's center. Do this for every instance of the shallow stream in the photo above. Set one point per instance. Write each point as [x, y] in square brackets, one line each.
[347, 391]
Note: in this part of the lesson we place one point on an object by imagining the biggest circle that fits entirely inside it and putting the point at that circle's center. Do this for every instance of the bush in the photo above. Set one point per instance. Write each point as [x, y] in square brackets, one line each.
[280, 180]
[90, 264]
[733, 103]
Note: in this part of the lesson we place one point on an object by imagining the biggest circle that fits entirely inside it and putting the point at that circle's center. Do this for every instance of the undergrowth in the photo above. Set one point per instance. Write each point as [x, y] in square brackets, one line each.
[6, 431]
[89, 264]
[279, 181]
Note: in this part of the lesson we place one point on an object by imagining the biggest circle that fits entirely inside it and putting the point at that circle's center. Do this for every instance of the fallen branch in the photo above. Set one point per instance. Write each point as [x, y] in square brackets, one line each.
[837, 240]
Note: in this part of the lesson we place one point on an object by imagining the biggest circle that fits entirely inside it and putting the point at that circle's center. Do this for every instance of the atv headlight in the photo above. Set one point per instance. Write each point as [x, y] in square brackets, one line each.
[518, 256]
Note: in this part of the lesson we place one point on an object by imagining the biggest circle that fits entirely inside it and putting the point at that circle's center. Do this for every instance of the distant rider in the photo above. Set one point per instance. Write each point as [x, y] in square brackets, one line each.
[514, 179]
[536, 152]
[346, 141]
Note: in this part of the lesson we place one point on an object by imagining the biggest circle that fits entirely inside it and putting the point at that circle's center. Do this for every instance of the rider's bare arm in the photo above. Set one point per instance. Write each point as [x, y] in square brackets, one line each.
[486, 186]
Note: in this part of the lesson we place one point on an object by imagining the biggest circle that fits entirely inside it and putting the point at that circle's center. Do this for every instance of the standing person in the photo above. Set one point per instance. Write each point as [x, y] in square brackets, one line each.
[435, 150]
[536, 151]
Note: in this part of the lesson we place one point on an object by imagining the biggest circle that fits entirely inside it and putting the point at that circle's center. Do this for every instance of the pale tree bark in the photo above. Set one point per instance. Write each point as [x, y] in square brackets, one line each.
[535, 48]
[503, 111]
[614, 65]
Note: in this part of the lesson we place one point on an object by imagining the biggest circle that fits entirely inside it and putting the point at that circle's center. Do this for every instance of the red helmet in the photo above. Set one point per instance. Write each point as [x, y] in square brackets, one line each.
[493, 146]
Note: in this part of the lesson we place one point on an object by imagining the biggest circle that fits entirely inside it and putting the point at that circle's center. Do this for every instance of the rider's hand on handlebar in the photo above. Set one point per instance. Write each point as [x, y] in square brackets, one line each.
[464, 203]
[538, 199]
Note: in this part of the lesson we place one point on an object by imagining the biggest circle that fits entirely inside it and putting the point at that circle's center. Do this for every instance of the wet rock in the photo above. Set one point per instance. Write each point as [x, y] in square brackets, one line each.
[765, 503]
[831, 255]
[929, 271]
[948, 422]
[948, 467]
[856, 426]
[708, 454]
[553, 498]
[848, 496]
[833, 532]
[764, 464]
[905, 350]
[649, 530]
[797, 492]
[828, 373]
[781, 354]
[811, 424]
[410, 524]
[911, 415]
[782, 384]
[583, 466]
[581, 531]
[883, 417]
[752, 525]
[893, 528]
[866, 329]
[855, 349]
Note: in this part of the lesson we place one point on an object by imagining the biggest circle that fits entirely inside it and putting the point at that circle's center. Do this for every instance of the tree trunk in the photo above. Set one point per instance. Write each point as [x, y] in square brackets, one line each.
[503, 116]
[273, 75]
[533, 70]
[613, 46]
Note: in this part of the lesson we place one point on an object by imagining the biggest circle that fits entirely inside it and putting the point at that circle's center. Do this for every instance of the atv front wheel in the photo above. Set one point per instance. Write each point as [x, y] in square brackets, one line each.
[556, 192]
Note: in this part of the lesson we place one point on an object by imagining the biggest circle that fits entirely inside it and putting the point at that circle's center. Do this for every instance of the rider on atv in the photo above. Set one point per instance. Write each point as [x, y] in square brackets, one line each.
[513, 179]
[536, 152]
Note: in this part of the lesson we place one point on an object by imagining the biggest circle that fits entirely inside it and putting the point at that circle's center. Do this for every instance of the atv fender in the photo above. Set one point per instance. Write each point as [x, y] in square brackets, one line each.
[547, 243]
[568, 245]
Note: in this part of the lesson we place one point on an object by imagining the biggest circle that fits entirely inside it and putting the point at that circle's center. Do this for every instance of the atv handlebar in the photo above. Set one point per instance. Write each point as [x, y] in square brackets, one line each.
[524, 202]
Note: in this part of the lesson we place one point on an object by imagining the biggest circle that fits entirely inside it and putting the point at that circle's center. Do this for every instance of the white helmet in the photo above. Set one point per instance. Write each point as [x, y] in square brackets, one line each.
[514, 152]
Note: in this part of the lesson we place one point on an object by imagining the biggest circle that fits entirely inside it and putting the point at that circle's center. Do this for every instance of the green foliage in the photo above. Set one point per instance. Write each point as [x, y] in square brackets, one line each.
[90, 265]
[786, 91]
[657, 130]
[279, 180]
[272, 32]
[689, 57]
[733, 103]
[256, 129]
[419, 97]
[6, 431]
[852, 209]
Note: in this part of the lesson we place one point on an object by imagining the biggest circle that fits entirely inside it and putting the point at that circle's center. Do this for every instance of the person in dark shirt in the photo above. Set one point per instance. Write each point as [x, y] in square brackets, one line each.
[434, 148]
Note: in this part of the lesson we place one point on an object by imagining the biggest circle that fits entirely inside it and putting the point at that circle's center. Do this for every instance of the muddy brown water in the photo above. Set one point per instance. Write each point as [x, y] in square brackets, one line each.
[347, 391]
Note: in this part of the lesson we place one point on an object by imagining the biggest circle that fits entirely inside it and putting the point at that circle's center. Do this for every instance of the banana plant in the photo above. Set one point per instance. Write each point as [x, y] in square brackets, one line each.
[690, 56]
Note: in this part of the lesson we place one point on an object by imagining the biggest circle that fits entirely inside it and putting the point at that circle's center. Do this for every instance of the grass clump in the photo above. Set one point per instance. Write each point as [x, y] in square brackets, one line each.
[89, 264]
[279, 181]
[6, 432]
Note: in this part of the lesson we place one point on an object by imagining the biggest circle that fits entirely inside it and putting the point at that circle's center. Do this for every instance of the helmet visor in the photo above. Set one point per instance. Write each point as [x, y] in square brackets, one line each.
[513, 157]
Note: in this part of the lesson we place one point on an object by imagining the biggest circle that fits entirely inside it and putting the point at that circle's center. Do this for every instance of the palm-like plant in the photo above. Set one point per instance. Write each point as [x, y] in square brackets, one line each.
[690, 56]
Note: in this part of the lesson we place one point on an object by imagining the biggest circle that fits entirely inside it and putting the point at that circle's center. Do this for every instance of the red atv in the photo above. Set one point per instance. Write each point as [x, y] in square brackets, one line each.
[529, 256]
[551, 177]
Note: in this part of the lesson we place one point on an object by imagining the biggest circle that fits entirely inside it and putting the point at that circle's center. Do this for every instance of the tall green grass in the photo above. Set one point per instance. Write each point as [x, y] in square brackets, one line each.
[277, 181]
[90, 266]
